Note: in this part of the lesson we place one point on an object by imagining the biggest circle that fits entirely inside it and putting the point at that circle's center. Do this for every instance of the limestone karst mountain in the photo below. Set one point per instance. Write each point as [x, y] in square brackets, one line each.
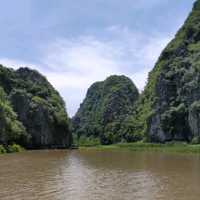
[32, 108]
[169, 108]
[105, 109]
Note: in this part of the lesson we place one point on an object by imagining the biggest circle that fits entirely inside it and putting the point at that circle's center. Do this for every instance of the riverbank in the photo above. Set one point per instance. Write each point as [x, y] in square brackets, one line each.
[173, 147]
[152, 147]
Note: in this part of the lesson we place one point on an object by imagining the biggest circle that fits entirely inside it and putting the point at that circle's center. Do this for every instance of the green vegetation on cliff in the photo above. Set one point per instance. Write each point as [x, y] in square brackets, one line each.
[104, 112]
[32, 112]
[11, 130]
[168, 108]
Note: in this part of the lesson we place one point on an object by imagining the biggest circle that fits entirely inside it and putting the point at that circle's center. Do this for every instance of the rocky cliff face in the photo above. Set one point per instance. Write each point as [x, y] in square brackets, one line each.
[38, 106]
[105, 108]
[171, 99]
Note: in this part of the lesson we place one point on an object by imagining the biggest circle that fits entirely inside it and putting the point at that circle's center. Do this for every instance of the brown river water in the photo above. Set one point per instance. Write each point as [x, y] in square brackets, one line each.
[99, 175]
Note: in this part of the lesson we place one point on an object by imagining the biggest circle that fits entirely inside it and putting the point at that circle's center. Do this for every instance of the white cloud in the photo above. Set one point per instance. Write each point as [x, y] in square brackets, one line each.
[72, 65]
[140, 78]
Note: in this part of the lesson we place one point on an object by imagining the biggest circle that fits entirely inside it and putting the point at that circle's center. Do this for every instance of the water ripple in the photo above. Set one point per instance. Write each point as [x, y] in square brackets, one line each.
[98, 175]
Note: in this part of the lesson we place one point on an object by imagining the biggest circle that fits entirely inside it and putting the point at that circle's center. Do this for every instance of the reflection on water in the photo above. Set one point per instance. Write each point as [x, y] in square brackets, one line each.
[99, 175]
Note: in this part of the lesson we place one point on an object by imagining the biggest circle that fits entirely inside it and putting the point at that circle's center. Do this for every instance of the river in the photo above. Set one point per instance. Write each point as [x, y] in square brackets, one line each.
[99, 175]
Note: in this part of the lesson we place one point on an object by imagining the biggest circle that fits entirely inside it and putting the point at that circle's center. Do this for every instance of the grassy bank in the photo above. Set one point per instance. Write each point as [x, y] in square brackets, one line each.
[11, 148]
[140, 146]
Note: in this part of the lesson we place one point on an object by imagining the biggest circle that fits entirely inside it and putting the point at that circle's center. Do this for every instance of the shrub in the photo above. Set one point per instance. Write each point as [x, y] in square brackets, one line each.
[14, 148]
[2, 149]
[196, 140]
[87, 141]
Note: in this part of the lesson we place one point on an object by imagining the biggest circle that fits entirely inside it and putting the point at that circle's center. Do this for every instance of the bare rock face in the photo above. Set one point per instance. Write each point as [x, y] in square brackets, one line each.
[39, 108]
[194, 120]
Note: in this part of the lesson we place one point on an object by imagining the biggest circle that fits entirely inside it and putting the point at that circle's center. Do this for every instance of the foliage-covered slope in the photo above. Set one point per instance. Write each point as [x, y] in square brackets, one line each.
[105, 109]
[169, 108]
[38, 107]
[11, 130]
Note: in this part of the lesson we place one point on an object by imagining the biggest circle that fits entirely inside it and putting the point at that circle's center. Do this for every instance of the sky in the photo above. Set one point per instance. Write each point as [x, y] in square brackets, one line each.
[76, 43]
